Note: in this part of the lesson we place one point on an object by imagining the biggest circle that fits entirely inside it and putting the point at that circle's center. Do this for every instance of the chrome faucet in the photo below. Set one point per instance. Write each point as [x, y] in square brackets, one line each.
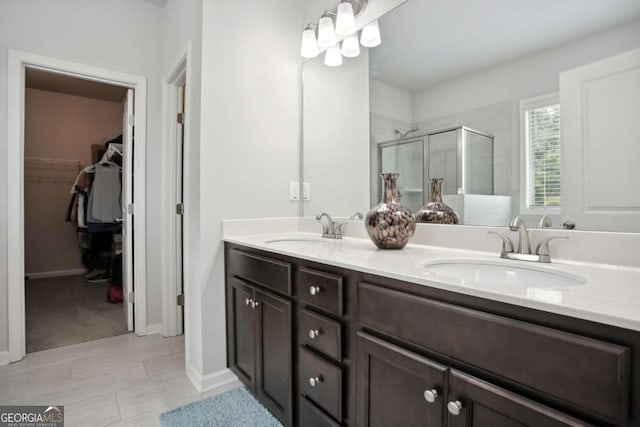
[330, 230]
[517, 224]
[524, 249]
[357, 215]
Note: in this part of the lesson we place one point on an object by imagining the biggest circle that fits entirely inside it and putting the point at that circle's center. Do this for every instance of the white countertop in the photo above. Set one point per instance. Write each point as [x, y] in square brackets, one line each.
[610, 294]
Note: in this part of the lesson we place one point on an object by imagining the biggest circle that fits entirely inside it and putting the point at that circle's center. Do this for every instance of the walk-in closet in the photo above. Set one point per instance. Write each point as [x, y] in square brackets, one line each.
[73, 198]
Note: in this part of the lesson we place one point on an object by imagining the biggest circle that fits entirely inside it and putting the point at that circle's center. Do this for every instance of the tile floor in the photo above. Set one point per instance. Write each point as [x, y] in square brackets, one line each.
[118, 381]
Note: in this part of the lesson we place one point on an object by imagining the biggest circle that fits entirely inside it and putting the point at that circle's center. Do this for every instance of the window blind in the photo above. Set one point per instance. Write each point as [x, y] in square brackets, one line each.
[543, 139]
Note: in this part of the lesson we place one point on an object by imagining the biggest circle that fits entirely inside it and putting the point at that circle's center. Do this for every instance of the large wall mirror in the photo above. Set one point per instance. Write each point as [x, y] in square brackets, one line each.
[525, 108]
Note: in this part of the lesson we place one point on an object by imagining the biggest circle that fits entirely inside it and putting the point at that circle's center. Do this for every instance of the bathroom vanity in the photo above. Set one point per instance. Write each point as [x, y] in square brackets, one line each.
[381, 343]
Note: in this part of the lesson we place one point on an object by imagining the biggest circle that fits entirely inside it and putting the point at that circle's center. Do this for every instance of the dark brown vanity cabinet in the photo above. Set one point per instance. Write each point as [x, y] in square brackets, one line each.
[259, 349]
[322, 346]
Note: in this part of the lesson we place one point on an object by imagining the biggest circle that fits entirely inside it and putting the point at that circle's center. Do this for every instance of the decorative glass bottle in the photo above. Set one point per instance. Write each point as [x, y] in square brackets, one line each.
[389, 224]
[436, 212]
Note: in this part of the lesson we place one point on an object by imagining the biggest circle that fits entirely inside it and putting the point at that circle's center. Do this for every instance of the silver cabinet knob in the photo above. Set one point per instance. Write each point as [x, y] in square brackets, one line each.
[314, 333]
[315, 381]
[255, 304]
[454, 408]
[248, 301]
[431, 395]
[314, 290]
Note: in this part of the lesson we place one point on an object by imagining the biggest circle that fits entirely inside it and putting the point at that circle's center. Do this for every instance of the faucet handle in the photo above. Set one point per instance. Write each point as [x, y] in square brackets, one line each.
[507, 245]
[545, 222]
[543, 246]
[338, 229]
[356, 215]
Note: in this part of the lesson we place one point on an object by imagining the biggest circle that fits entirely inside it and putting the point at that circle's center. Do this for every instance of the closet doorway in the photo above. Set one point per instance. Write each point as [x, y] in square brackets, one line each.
[69, 270]
[76, 136]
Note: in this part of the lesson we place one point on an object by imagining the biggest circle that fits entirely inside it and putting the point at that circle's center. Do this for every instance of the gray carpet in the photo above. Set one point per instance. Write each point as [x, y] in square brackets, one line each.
[62, 311]
[234, 408]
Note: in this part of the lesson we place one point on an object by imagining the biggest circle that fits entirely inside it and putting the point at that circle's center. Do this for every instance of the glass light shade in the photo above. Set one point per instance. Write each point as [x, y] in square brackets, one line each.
[326, 33]
[332, 56]
[309, 45]
[345, 21]
[350, 46]
[371, 35]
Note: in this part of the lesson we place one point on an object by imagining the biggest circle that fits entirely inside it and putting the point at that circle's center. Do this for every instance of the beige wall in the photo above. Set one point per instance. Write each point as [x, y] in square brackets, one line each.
[58, 126]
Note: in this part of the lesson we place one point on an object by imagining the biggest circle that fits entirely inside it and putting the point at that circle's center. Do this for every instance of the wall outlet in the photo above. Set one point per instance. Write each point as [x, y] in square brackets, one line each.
[294, 190]
[306, 191]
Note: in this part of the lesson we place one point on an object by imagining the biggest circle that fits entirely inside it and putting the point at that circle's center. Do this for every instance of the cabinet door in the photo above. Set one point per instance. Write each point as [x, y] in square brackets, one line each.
[274, 354]
[396, 387]
[242, 331]
[473, 402]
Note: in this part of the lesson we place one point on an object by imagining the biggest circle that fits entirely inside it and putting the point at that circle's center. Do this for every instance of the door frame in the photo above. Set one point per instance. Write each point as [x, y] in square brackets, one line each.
[179, 73]
[18, 61]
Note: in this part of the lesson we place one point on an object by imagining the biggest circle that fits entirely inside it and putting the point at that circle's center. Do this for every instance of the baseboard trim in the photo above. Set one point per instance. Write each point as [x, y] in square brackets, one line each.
[221, 380]
[156, 328]
[4, 358]
[58, 273]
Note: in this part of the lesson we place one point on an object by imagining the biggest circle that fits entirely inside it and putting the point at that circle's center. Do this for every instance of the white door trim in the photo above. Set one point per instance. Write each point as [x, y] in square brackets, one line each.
[17, 62]
[179, 73]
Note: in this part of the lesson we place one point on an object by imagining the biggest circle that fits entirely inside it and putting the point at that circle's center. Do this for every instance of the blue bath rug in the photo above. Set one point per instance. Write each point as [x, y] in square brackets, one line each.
[234, 408]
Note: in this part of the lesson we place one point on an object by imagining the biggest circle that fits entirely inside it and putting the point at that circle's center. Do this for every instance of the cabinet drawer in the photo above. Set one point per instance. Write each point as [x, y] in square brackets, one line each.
[586, 373]
[321, 289]
[311, 416]
[321, 333]
[321, 382]
[264, 271]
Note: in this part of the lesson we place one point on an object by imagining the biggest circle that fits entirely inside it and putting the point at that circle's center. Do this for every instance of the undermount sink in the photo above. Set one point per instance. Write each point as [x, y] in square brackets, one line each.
[493, 273]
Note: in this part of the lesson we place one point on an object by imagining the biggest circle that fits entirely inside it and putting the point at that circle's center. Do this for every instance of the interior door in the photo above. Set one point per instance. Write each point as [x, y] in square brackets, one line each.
[600, 144]
[127, 200]
[180, 204]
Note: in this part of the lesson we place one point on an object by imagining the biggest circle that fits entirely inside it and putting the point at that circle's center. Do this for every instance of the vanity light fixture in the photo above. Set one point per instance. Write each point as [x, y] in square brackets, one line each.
[345, 20]
[351, 46]
[332, 56]
[345, 29]
[370, 36]
[326, 33]
[309, 46]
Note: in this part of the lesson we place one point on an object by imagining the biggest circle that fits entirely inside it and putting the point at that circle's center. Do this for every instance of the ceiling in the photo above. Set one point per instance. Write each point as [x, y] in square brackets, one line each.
[425, 42]
[55, 82]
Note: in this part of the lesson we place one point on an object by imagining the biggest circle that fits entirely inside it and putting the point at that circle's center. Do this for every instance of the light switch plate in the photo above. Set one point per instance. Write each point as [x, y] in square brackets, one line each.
[306, 191]
[294, 190]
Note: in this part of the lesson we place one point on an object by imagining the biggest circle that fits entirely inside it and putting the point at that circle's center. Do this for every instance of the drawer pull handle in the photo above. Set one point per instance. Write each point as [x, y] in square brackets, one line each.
[255, 304]
[315, 381]
[248, 301]
[454, 408]
[431, 395]
[314, 333]
[314, 290]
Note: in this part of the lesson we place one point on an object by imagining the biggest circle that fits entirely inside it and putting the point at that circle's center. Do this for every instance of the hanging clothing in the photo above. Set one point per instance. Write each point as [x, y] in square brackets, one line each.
[104, 199]
[82, 205]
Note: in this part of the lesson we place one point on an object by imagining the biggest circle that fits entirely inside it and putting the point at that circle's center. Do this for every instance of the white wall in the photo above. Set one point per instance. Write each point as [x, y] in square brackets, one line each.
[336, 136]
[58, 126]
[120, 35]
[389, 101]
[249, 147]
[532, 75]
